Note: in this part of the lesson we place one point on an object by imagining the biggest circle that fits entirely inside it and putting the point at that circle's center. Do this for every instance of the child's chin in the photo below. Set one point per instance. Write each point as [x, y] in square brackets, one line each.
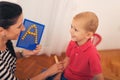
[73, 39]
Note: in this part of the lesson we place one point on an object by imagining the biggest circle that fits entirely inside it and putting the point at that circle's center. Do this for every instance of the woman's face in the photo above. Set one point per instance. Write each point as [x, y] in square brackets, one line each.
[13, 31]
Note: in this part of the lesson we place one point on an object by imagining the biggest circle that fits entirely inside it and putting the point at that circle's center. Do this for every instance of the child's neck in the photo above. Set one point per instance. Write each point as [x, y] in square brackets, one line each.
[81, 42]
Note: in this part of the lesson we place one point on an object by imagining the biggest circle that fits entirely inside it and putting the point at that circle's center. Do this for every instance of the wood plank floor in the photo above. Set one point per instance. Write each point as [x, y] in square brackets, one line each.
[29, 67]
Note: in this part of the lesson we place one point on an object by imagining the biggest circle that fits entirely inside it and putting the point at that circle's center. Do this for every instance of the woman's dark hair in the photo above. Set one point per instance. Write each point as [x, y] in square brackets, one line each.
[9, 45]
[9, 13]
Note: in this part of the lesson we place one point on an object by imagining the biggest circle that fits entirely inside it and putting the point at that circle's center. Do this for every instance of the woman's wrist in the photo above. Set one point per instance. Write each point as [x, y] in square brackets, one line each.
[21, 53]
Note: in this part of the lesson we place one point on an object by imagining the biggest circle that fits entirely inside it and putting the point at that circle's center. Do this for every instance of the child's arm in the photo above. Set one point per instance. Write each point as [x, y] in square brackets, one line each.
[65, 63]
[98, 77]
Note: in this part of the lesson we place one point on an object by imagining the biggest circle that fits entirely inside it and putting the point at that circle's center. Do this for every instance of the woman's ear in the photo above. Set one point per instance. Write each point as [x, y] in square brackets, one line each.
[89, 35]
[2, 32]
[1, 29]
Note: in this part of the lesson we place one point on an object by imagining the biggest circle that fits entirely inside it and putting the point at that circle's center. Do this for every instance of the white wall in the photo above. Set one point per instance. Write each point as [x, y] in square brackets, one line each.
[109, 16]
[15, 1]
[108, 12]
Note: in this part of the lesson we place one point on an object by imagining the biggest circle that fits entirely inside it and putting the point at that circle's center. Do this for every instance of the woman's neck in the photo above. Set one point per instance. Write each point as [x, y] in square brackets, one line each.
[2, 44]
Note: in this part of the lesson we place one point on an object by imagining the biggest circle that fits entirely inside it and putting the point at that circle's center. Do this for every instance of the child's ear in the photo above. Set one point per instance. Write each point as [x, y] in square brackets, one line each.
[89, 35]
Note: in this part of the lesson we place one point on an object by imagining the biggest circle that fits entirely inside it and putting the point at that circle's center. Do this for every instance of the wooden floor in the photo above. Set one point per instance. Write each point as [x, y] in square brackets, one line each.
[29, 67]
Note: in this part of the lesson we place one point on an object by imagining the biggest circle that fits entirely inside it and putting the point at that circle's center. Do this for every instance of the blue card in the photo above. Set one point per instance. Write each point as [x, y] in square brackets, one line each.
[32, 35]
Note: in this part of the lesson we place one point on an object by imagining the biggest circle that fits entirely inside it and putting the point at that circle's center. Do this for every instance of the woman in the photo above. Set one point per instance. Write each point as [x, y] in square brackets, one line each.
[11, 25]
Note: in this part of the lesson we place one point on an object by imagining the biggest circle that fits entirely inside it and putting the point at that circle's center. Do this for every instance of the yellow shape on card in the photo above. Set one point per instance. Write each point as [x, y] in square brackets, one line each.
[28, 32]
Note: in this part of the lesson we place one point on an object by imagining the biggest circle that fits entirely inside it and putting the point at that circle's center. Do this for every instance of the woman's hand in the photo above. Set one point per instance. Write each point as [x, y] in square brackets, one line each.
[56, 68]
[27, 53]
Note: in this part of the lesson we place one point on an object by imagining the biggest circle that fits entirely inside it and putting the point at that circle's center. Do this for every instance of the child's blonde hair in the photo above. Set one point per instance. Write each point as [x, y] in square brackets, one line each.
[91, 19]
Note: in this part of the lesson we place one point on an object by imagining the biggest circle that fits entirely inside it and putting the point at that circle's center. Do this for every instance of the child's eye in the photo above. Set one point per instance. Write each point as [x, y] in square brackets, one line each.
[76, 30]
[71, 26]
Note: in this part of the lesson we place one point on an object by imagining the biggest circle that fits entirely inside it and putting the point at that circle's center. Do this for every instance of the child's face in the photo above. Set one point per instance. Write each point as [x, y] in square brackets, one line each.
[78, 33]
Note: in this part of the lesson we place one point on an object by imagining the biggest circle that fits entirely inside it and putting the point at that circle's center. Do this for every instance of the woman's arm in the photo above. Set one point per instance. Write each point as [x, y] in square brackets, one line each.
[27, 53]
[56, 68]
[66, 61]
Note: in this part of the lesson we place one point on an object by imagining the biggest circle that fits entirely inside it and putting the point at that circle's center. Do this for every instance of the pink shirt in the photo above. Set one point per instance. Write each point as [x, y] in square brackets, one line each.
[84, 61]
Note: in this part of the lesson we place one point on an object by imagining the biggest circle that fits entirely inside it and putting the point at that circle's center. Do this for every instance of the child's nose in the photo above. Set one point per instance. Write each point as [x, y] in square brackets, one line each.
[71, 30]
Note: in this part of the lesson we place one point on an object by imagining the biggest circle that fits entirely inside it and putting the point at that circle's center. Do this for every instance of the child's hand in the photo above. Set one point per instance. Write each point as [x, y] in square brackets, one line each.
[98, 77]
[56, 68]
[28, 53]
